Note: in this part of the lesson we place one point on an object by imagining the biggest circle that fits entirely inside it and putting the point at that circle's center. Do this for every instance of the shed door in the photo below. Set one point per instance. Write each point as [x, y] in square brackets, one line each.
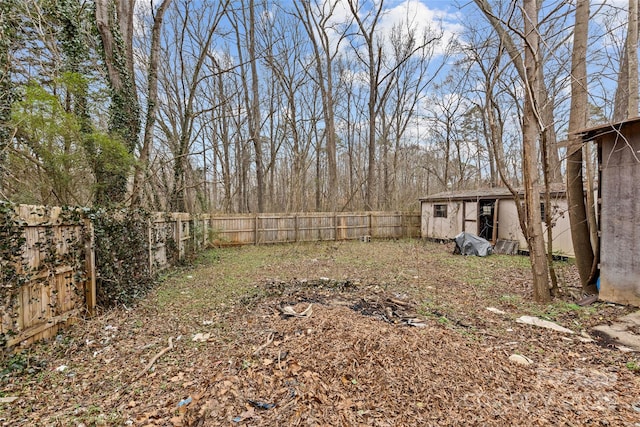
[471, 217]
[488, 220]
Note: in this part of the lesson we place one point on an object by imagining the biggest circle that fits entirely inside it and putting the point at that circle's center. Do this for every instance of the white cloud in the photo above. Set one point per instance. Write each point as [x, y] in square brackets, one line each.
[417, 16]
[407, 14]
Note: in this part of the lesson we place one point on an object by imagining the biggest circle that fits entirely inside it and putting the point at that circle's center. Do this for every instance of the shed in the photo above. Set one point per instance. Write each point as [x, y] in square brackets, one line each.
[619, 199]
[492, 214]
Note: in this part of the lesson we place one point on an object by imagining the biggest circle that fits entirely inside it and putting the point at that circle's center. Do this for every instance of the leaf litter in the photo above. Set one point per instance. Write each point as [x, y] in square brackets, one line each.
[384, 334]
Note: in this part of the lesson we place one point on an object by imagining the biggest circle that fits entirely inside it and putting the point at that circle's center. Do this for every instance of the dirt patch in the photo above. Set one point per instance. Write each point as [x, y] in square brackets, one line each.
[399, 334]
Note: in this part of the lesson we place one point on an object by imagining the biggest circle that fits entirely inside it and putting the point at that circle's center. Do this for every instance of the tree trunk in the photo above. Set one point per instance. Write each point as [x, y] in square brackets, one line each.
[530, 137]
[626, 97]
[621, 100]
[116, 36]
[580, 235]
[548, 122]
[255, 110]
[371, 142]
[7, 39]
[632, 49]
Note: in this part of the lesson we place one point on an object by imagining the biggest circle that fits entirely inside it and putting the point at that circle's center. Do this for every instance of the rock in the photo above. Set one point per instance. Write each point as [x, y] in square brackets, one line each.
[621, 332]
[520, 360]
[495, 310]
[200, 337]
[536, 321]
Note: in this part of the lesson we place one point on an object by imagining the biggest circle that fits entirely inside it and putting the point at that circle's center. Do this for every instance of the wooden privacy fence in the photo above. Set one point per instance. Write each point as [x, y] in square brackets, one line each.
[309, 227]
[54, 279]
[45, 285]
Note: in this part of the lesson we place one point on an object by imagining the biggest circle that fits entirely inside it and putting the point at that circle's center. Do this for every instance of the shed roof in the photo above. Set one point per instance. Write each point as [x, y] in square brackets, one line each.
[486, 193]
[592, 133]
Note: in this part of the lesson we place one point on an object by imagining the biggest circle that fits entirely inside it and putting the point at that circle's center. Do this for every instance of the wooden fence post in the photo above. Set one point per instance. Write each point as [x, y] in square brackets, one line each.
[150, 241]
[205, 231]
[403, 224]
[192, 234]
[90, 266]
[255, 230]
[178, 236]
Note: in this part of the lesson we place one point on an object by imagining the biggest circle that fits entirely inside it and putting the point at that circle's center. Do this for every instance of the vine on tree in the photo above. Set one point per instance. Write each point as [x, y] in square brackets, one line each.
[122, 255]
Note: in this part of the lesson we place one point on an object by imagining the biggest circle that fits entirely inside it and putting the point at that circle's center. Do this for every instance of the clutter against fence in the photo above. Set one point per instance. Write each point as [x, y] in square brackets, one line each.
[57, 264]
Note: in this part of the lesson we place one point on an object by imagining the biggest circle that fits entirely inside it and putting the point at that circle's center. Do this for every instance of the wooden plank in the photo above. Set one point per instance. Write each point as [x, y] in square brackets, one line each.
[178, 236]
[90, 268]
[30, 332]
[496, 209]
[150, 245]
[256, 239]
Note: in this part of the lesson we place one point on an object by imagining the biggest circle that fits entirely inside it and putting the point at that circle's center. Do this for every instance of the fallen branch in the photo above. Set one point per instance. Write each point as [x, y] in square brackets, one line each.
[155, 358]
[265, 345]
[398, 302]
[289, 311]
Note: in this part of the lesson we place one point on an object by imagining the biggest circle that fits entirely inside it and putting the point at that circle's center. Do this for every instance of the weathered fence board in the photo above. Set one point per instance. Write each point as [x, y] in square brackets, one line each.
[59, 268]
[232, 230]
[307, 227]
[53, 292]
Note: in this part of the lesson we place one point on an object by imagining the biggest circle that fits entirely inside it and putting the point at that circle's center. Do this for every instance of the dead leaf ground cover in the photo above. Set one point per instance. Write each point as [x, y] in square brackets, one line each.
[235, 359]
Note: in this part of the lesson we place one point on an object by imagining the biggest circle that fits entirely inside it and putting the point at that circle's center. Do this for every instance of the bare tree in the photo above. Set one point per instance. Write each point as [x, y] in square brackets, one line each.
[413, 54]
[152, 104]
[626, 96]
[580, 234]
[316, 19]
[350, 116]
[286, 60]
[546, 115]
[244, 24]
[530, 136]
[372, 60]
[221, 94]
[534, 119]
[484, 54]
[189, 40]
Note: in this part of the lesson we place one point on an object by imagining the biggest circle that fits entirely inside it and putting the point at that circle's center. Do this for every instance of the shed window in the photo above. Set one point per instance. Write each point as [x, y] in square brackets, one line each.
[439, 211]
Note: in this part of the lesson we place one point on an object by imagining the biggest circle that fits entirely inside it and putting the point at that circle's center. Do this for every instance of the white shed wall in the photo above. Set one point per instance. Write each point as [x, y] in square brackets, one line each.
[508, 223]
[441, 228]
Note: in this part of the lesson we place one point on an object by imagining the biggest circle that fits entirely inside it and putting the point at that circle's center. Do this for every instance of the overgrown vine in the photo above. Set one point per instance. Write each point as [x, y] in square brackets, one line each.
[122, 255]
[12, 242]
